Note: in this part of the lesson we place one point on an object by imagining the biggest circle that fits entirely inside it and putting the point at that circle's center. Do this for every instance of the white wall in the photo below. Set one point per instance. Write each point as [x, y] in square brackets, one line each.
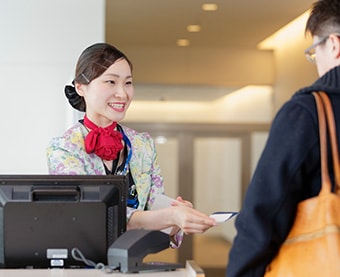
[40, 43]
[201, 66]
[168, 160]
[218, 186]
[293, 69]
[250, 104]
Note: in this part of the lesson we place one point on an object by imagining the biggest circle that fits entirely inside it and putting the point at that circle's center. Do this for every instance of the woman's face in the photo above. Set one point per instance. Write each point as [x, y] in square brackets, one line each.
[109, 96]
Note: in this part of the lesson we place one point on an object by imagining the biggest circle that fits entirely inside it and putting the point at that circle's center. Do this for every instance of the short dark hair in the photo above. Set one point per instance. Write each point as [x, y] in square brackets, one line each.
[324, 18]
[92, 63]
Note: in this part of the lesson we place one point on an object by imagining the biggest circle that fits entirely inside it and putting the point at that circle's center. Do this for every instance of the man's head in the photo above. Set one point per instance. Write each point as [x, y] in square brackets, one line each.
[324, 26]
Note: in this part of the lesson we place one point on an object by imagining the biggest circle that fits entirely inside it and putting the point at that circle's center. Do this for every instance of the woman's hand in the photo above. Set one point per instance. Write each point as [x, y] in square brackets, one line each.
[180, 215]
[188, 219]
[180, 201]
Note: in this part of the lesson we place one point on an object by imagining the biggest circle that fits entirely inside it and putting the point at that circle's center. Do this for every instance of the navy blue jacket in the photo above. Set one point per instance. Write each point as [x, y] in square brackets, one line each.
[288, 172]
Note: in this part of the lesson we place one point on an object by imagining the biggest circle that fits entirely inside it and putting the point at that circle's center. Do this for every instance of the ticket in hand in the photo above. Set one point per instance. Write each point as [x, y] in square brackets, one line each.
[221, 217]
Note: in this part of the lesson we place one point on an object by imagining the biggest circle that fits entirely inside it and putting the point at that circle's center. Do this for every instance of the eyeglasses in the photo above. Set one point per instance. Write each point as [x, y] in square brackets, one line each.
[310, 51]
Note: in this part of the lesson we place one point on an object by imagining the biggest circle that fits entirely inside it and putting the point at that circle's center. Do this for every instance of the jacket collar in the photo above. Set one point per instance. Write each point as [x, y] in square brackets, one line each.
[329, 82]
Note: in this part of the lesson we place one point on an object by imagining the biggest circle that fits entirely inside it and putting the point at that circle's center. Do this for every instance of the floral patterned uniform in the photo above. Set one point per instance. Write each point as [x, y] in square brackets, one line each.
[66, 155]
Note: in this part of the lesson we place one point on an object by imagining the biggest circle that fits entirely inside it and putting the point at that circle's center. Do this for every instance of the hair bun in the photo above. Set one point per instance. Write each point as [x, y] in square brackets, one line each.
[75, 99]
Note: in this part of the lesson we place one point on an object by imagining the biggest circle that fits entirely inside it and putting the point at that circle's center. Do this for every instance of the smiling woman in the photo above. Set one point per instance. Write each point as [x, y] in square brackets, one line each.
[99, 145]
[108, 96]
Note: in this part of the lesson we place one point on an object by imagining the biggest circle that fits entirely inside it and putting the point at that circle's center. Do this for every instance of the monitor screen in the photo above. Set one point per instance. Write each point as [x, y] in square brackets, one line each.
[44, 217]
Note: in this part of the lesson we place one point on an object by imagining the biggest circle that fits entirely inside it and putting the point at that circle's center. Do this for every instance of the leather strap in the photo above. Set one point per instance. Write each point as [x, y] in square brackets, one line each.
[333, 138]
[325, 111]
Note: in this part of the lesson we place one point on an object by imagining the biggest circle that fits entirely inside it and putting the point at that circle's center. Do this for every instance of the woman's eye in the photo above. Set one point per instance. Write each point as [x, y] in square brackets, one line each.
[111, 82]
[129, 83]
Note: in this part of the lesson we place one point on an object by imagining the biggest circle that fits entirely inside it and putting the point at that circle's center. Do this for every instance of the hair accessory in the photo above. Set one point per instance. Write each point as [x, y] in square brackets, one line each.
[86, 79]
[105, 67]
[104, 142]
[74, 98]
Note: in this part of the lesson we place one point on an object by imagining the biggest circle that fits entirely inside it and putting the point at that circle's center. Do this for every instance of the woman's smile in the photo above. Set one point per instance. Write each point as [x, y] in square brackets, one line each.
[118, 107]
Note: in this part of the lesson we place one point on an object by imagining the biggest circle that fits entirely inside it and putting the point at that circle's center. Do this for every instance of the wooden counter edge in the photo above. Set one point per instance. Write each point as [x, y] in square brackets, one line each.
[193, 269]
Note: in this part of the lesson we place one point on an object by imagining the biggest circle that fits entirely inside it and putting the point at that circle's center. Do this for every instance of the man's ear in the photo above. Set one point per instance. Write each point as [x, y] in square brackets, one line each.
[336, 45]
[80, 88]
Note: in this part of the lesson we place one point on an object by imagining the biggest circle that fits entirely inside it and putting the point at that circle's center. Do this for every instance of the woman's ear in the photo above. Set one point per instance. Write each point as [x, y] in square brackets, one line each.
[80, 88]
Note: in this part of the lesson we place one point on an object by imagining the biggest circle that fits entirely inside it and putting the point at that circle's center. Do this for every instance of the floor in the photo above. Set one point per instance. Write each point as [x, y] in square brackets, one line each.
[210, 253]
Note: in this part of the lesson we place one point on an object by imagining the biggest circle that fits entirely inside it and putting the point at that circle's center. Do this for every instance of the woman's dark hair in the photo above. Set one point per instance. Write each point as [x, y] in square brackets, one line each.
[92, 63]
[324, 18]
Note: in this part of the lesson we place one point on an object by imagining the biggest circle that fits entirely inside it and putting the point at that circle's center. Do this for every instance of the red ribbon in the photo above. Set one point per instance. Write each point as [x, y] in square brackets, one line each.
[104, 142]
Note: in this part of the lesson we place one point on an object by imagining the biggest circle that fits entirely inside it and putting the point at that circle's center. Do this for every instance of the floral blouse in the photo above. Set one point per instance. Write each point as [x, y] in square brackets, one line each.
[66, 155]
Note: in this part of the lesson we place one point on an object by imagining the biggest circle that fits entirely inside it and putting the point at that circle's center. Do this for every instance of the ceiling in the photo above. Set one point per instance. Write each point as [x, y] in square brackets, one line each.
[159, 23]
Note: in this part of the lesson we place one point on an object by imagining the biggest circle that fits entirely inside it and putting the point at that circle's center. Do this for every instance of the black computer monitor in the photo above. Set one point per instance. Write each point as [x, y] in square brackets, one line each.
[44, 217]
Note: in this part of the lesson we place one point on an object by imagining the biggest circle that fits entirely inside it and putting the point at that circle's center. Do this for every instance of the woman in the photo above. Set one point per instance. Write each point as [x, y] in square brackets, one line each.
[97, 145]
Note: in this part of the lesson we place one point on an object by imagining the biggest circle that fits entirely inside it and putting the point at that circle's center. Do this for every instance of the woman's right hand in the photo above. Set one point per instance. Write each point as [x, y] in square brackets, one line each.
[190, 220]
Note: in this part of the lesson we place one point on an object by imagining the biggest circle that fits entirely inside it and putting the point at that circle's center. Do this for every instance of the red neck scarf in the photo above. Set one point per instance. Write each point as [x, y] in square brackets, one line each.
[104, 142]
